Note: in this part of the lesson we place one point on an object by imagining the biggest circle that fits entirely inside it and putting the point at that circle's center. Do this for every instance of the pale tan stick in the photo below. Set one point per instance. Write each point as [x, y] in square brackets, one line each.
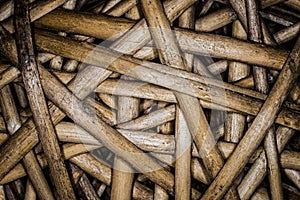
[246, 83]
[256, 132]
[9, 110]
[109, 4]
[8, 75]
[260, 194]
[122, 178]
[94, 167]
[259, 169]
[121, 7]
[134, 13]
[64, 77]
[21, 94]
[273, 165]
[6, 9]
[108, 100]
[287, 34]
[290, 159]
[183, 138]
[109, 137]
[240, 10]
[215, 20]
[277, 19]
[70, 66]
[41, 9]
[169, 54]
[38, 104]
[218, 67]
[57, 62]
[232, 193]
[87, 188]
[160, 193]
[295, 93]
[2, 193]
[13, 124]
[294, 176]
[106, 114]
[125, 64]
[183, 157]
[27, 133]
[238, 71]
[36, 176]
[255, 35]
[233, 49]
[198, 171]
[3, 138]
[267, 37]
[151, 120]
[235, 123]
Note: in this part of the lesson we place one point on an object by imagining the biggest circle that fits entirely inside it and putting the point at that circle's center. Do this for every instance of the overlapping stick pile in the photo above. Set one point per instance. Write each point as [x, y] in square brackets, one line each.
[149, 99]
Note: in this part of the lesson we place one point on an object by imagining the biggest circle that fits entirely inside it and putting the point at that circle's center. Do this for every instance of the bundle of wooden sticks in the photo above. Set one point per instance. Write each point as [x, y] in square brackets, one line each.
[149, 99]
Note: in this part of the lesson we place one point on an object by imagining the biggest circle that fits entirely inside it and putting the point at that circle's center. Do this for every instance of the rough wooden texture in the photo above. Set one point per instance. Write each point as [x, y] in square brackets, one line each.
[257, 130]
[38, 104]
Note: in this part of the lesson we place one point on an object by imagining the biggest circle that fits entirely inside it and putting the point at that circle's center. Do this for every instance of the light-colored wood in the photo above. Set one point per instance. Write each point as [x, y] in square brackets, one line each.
[215, 20]
[2, 193]
[37, 102]
[257, 130]
[123, 174]
[146, 74]
[9, 110]
[258, 170]
[36, 176]
[87, 188]
[290, 160]
[188, 41]
[41, 9]
[121, 7]
[294, 176]
[30, 192]
[273, 165]
[260, 194]
[21, 94]
[239, 6]
[218, 67]
[287, 34]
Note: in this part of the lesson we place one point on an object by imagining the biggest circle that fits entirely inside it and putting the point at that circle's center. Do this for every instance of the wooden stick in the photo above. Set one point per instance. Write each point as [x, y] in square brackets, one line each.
[87, 188]
[122, 178]
[9, 110]
[60, 45]
[36, 176]
[8, 75]
[29, 193]
[257, 131]
[134, 13]
[290, 159]
[121, 7]
[41, 9]
[21, 94]
[36, 97]
[218, 67]
[259, 169]
[260, 194]
[267, 3]
[235, 123]
[287, 34]
[294, 176]
[233, 49]
[151, 120]
[277, 19]
[215, 20]
[273, 165]
[109, 136]
[239, 6]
